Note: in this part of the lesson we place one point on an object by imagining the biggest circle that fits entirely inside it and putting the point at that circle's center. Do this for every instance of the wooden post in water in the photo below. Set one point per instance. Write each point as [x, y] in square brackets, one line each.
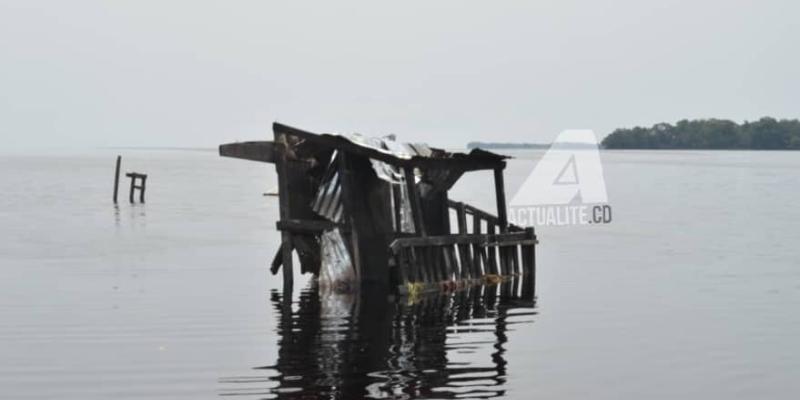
[500, 193]
[502, 218]
[142, 188]
[529, 266]
[116, 179]
[283, 197]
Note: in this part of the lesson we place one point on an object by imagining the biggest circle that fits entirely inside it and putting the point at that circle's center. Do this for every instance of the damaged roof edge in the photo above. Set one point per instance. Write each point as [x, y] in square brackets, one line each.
[264, 151]
[476, 159]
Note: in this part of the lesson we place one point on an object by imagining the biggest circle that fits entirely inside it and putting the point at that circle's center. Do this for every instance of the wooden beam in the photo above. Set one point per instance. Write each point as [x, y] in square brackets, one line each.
[263, 151]
[305, 225]
[500, 240]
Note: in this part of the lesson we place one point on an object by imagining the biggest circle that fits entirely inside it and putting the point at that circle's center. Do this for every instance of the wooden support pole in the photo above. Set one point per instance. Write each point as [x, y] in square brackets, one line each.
[402, 267]
[492, 264]
[348, 205]
[502, 218]
[416, 203]
[397, 206]
[500, 194]
[116, 178]
[286, 236]
[288, 268]
[447, 252]
[477, 249]
[464, 249]
[142, 187]
[529, 267]
[133, 186]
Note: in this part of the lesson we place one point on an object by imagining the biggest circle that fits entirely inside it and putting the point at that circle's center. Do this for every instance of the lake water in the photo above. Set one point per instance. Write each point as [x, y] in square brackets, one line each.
[692, 291]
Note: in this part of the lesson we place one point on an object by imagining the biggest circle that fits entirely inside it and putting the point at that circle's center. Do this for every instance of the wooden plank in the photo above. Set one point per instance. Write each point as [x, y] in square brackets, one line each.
[491, 218]
[416, 205]
[501, 239]
[449, 261]
[500, 194]
[431, 264]
[467, 268]
[116, 178]
[142, 188]
[133, 187]
[306, 226]
[402, 268]
[396, 207]
[529, 265]
[348, 203]
[492, 252]
[473, 210]
[263, 151]
[413, 266]
[477, 248]
[514, 250]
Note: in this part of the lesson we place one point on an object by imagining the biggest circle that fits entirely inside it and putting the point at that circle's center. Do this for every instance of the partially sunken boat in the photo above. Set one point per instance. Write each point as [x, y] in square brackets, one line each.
[374, 211]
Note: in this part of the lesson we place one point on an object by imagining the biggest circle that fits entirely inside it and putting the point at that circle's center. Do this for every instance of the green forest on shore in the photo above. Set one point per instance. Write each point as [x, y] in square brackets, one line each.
[718, 134]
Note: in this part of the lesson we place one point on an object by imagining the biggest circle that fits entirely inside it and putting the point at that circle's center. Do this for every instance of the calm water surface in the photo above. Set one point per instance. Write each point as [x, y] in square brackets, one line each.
[691, 292]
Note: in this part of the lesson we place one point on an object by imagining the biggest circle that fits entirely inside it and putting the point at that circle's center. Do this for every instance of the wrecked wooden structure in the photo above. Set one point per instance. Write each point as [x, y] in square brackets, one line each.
[376, 211]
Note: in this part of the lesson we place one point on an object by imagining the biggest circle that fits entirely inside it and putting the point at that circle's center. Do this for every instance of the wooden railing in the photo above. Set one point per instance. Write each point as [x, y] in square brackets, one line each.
[486, 251]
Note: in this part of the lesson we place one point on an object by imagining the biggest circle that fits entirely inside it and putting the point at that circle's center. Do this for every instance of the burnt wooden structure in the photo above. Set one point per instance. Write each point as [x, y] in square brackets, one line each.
[397, 232]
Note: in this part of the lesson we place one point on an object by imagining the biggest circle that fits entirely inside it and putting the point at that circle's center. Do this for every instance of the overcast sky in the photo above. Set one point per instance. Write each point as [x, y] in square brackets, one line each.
[199, 73]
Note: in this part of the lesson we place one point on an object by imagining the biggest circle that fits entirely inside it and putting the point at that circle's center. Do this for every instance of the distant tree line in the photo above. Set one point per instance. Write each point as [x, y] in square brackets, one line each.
[505, 145]
[765, 134]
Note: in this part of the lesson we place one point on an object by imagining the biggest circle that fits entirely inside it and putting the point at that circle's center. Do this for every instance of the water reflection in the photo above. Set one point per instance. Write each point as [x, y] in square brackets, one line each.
[370, 345]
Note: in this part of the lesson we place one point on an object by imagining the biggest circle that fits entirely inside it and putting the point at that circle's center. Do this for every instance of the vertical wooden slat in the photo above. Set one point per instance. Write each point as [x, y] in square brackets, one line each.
[436, 262]
[413, 272]
[133, 186]
[449, 262]
[502, 218]
[419, 257]
[348, 205]
[500, 194]
[514, 250]
[429, 264]
[397, 203]
[464, 249]
[283, 198]
[116, 178]
[492, 265]
[416, 204]
[402, 267]
[142, 188]
[477, 249]
[529, 266]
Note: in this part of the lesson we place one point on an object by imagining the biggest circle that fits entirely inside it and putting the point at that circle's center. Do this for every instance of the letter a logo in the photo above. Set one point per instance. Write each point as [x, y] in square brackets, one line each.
[569, 172]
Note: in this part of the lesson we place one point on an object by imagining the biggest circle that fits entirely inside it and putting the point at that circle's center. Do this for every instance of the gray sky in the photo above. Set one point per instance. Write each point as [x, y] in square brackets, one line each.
[199, 73]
